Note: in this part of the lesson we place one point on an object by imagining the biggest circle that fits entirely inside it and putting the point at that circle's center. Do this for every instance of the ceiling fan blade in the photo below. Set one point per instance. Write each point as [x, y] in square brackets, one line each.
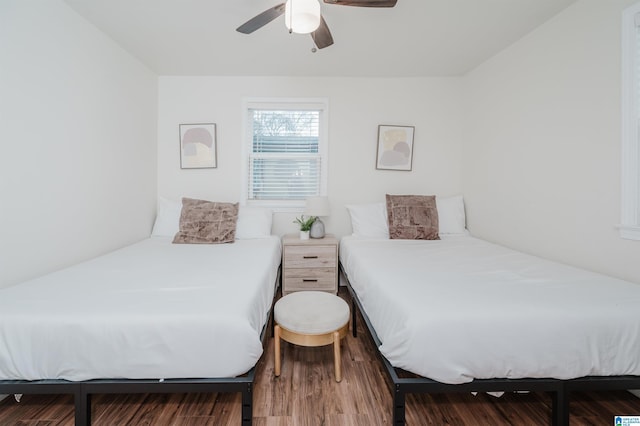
[363, 3]
[261, 20]
[322, 36]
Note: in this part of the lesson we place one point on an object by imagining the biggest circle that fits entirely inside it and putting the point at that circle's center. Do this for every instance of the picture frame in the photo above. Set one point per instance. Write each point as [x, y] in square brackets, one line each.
[198, 146]
[395, 147]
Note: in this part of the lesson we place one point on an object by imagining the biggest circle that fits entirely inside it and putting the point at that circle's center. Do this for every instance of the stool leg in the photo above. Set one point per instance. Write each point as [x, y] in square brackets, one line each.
[277, 349]
[336, 355]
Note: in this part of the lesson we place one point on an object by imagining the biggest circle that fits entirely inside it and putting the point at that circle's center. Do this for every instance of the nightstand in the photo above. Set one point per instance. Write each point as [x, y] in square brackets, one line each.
[309, 264]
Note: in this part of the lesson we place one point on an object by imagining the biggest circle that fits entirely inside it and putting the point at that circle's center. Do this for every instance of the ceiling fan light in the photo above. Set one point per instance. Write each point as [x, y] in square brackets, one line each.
[302, 16]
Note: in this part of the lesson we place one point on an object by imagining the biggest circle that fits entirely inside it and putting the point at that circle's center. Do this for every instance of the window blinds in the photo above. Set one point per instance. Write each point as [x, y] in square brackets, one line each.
[284, 159]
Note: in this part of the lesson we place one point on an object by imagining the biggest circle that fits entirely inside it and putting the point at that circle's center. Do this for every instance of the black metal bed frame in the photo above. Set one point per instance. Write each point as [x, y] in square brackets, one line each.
[83, 390]
[558, 389]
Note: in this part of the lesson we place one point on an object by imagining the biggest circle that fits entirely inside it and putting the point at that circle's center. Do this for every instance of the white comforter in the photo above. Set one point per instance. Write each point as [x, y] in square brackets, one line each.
[150, 310]
[461, 308]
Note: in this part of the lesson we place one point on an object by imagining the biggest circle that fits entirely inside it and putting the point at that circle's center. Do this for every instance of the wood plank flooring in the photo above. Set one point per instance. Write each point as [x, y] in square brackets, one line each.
[307, 394]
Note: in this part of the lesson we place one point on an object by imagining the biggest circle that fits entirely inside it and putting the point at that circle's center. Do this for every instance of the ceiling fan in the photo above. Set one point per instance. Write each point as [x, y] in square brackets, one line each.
[304, 17]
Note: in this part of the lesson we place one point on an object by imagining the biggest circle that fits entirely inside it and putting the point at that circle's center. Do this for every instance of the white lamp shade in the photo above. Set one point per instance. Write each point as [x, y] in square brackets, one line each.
[302, 16]
[317, 206]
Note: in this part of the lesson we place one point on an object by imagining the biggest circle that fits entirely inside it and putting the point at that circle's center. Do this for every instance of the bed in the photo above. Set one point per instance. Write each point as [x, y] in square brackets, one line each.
[461, 314]
[150, 317]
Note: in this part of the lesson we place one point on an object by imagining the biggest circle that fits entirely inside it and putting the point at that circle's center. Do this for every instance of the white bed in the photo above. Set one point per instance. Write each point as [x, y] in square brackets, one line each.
[150, 310]
[458, 309]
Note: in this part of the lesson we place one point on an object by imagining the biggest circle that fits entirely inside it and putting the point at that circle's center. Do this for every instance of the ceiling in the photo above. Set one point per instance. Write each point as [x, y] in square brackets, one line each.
[415, 38]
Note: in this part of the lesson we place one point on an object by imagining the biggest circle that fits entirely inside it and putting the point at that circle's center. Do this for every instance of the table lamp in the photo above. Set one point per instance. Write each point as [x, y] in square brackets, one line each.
[317, 206]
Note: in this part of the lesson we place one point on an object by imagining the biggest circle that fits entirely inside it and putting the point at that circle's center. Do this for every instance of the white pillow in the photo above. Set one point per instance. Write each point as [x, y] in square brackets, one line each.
[168, 218]
[253, 222]
[369, 220]
[451, 216]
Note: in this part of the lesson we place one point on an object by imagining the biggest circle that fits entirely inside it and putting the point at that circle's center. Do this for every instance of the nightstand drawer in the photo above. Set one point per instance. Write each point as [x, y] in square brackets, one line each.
[309, 264]
[309, 256]
[310, 279]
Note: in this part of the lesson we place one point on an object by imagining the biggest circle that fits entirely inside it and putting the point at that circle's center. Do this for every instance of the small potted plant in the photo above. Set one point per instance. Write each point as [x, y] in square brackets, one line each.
[305, 226]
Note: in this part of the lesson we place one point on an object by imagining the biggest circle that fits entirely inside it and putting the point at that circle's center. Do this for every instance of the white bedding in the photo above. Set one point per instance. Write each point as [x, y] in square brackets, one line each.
[150, 310]
[462, 308]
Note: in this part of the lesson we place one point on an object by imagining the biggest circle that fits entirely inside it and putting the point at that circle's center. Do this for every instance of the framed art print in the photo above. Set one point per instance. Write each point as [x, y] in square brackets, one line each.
[198, 146]
[395, 147]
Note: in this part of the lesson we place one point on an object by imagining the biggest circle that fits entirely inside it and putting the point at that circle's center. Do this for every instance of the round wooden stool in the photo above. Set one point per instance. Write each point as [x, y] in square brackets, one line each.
[311, 318]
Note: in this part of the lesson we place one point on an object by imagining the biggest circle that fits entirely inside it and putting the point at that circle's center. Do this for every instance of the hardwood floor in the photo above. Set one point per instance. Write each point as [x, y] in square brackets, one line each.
[307, 394]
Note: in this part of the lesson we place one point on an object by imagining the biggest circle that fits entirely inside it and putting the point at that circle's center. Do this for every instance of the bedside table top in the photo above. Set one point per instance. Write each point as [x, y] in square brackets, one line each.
[295, 239]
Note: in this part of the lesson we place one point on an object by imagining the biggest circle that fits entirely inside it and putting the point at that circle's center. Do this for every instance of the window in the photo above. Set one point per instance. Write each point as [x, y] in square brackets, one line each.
[630, 227]
[286, 152]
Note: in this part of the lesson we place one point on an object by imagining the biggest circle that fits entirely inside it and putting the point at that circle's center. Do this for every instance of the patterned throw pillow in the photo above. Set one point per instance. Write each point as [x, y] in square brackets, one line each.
[412, 217]
[206, 222]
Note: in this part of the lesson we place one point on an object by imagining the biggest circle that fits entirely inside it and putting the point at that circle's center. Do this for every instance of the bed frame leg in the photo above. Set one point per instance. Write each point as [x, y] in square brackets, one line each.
[247, 405]
[82, 408]
[354, 327]
[398, 406]
[560, 408]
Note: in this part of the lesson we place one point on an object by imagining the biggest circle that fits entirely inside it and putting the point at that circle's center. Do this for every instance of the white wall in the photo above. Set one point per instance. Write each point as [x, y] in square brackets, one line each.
[542, 142]
[356, 107]
[532, 137]
[78, 146]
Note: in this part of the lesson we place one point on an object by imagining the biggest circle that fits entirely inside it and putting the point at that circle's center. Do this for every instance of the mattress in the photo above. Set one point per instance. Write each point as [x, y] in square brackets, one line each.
[460, 309]
[152, 310]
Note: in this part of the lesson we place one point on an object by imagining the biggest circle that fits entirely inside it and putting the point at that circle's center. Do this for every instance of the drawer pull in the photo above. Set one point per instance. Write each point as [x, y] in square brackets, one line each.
[309, 257]
[309, 281]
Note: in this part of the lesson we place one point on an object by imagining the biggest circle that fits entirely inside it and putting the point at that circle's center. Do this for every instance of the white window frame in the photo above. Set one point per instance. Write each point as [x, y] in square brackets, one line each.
[321, 104]
[630, 198]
